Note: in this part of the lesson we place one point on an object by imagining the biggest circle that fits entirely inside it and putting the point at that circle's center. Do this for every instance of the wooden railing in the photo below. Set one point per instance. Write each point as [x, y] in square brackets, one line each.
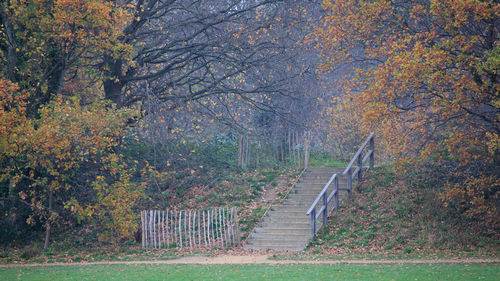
[323, 195]
[360, 160]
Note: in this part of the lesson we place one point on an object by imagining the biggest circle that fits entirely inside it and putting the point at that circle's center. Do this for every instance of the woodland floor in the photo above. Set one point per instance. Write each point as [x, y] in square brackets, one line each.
[382, 223]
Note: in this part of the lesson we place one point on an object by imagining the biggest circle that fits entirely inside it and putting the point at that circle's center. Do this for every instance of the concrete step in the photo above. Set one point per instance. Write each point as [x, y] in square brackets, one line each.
[278, 243]
[283, 213]
[281, 236]
[314, 186]
[306, 197]
[309, 192]
[286, 226]
[297, 204]
[323, 171]
[321, 181]
[295, 225]
[290, 208]
[303, 219]
[281, 230]
[276, 248]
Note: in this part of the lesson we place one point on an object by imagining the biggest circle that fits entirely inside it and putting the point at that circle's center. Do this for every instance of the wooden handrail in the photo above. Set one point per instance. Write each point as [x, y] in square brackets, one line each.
[358, 153]
[334, 178]
[313, 205]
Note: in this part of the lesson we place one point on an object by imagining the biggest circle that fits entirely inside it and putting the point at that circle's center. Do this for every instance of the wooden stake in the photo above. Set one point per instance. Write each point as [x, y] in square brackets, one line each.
[214, 226]
[224, 229]
[289, 150]
[167, 224]
[189, 230]
[199, 230]
[193, 231]
[185, 228]
[163, 227]
[160, 224]
[180, 228]
[174, 229]
[208, 229]
[150, 228]
[204, 229]
[146, 224]
[155, 231]
[220, 230]
[194, 228]
[299, 151]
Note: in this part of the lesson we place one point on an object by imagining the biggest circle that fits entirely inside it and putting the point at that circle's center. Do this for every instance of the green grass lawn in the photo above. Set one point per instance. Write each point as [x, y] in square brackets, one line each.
[256, 272]
[322, 160]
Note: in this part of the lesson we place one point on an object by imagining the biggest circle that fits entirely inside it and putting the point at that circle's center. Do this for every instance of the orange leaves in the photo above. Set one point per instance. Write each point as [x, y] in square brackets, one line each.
[15, 130]
[477, 196]
[432, 90]
[65, 140]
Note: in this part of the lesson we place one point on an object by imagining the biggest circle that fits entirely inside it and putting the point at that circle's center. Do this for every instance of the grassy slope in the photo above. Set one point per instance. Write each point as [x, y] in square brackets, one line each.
[256, 272]
[247, 190]
[386, 218]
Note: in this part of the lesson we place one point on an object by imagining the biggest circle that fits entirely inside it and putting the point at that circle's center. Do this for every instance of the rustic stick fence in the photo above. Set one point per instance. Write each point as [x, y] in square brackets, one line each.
[214, 228]
[357, 173]
[288, 150]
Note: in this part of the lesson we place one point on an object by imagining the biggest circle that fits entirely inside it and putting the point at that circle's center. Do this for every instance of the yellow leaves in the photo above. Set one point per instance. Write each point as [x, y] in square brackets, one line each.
[22, 195]
[81, 30]
[30, 220]
[65, 136]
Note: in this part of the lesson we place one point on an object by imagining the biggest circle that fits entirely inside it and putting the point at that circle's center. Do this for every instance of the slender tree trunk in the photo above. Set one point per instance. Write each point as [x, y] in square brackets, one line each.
[47, 224]
[11, 46]
[240, 151]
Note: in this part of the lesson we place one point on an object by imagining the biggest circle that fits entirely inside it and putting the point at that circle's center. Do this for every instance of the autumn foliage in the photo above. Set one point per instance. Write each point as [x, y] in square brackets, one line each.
[59, 140]
[427, 77]
[68, 152]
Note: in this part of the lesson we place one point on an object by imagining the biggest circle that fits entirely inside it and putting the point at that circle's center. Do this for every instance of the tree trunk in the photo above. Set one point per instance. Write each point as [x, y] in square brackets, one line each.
[112, 84]
[11, 47]
[47, 224]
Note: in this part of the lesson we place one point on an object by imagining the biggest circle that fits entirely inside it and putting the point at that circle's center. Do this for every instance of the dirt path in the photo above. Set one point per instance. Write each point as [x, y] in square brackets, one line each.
[263, 259]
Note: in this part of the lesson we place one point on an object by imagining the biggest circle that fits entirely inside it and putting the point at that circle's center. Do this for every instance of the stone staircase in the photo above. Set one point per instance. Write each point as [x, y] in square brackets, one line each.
[286, 226]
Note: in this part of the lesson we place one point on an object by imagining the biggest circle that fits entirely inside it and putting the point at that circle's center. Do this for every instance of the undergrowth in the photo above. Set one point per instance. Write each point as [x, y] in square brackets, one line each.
[251, 191]
[385, 216]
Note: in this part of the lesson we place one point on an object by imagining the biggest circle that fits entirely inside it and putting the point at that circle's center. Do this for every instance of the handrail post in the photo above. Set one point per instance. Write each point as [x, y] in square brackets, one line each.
[372, 148]
[349, 183]
[313, 223]
[336, 185]
[360, 165]
[325, 210]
